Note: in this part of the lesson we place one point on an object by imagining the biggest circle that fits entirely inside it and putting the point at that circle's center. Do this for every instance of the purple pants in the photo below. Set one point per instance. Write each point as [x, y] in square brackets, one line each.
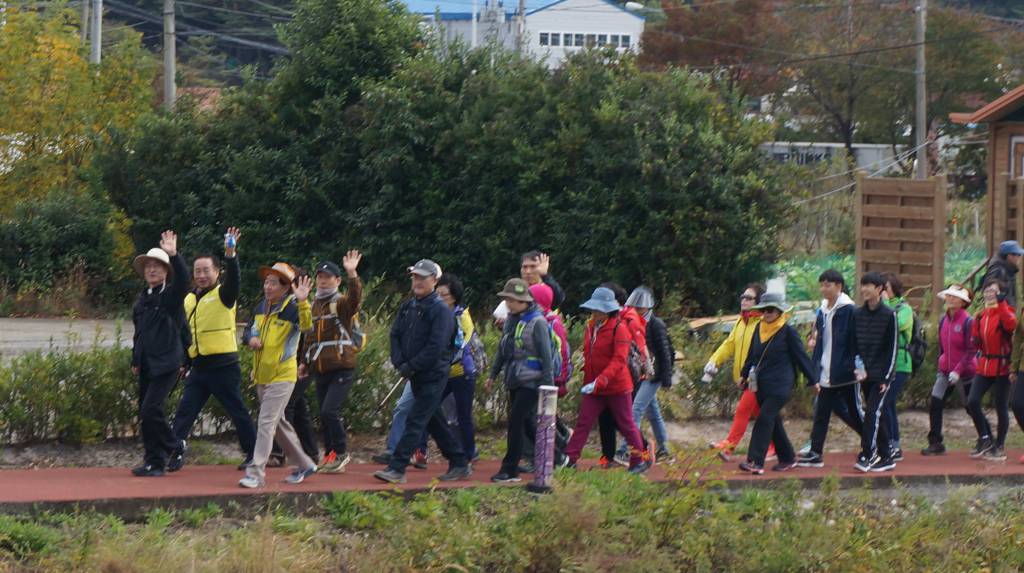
[621, 408]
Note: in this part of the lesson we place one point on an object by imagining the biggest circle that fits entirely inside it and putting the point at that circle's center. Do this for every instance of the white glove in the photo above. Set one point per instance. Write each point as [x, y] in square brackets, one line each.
[589, 388]
[711, 368]
[954, 377]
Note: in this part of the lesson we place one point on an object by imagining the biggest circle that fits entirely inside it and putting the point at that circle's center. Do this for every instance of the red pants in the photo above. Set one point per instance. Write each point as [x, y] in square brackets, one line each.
[621, 407]
[746, 410]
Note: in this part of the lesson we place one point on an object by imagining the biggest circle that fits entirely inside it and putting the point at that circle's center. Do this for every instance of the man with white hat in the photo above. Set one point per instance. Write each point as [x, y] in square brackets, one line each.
[158, 349]
[422, 343]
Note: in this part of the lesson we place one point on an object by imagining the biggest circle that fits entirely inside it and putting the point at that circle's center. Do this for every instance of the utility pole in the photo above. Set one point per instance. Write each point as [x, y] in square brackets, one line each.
[472, 42]
[84, 28]
[170, 90]
[921, 95]
[96, 34]
[3, 14]
[521, 32]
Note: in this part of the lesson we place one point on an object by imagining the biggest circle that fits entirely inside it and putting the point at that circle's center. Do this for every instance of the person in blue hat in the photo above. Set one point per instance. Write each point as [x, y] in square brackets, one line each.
[1004, 268]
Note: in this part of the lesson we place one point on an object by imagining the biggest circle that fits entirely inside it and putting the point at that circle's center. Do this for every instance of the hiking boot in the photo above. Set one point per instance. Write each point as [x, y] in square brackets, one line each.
[936, 449]
[640, 467]
[246, 463]
[419, 460]
[177, 460]
[784, 466]
[864, 464]
[299, 476]
[604, 464]
[752, 468]
[897, 454]
[996, 454]
[456, 474]
[810, 460]
[147, 470]
[334, 464]
[505, 477]
[983, 445]
[250, 482]
[526, 467]
[883, 465]
[391, 476]
[382, 459]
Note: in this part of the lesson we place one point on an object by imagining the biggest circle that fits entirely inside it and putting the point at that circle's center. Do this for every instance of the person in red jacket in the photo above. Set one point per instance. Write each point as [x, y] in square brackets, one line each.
[607, 383]
[993, 336]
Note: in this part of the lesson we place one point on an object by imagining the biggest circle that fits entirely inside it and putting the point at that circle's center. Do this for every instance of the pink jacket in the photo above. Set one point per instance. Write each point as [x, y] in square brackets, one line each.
[956, 345]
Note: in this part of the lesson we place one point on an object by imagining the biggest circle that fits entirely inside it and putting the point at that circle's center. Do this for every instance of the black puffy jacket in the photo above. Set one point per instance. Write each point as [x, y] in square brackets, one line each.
[659, 348]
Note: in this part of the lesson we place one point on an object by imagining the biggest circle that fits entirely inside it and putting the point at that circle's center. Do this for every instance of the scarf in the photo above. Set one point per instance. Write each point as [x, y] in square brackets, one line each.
[768, 330]
[326, 293]
[747, 315]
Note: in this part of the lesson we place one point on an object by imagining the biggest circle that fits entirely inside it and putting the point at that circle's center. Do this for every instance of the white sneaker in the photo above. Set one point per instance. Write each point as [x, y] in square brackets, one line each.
[250, 482]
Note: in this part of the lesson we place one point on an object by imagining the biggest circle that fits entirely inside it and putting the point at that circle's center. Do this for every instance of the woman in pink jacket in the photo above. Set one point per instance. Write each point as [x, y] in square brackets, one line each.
[956, 363]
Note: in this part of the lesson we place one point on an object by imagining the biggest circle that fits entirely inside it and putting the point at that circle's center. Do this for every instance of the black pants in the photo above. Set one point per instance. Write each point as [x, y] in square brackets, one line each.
[332, 389]
[1017, 400]
[834, 400]
[1000, 386]
[522, 426]
[875, 438]
[225, 384]
[937, 406]
[426, 413]
[462, 389]
[297, 414]
[157, 436]
[769, 429]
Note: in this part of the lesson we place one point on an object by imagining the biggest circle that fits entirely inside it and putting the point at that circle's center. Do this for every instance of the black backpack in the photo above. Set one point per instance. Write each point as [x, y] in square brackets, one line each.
[918, 345]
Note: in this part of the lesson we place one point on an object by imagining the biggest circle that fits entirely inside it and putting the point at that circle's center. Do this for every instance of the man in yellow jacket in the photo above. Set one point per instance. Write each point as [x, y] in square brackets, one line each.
[273, 335]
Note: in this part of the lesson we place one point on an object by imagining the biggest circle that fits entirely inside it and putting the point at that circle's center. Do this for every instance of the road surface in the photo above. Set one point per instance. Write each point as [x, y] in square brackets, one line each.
[20, 335]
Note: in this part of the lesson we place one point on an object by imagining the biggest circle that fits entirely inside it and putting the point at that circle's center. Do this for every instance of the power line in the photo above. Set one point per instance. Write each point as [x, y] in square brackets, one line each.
[233, 11]
[896, 159]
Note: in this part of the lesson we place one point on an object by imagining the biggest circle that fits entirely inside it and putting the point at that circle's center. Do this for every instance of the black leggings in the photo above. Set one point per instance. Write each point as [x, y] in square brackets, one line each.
[1017, 399]
[1000, 386]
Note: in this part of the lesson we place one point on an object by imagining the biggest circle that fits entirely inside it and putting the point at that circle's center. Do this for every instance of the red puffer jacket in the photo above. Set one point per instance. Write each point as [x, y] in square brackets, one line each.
[993, 335]
[605, 352]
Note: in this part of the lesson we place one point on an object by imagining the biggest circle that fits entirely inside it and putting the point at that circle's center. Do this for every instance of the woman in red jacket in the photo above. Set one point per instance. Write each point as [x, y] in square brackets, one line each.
[607, 383]
[993, 334]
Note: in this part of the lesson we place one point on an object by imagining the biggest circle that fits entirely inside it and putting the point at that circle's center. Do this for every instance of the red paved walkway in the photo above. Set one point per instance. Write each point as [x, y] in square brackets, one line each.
[24, 488]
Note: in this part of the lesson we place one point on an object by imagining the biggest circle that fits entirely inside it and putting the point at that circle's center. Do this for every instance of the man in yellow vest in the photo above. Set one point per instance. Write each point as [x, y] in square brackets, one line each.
[213, 356]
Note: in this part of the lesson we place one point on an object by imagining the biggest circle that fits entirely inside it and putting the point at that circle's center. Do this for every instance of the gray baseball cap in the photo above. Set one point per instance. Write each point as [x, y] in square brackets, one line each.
[426, 268]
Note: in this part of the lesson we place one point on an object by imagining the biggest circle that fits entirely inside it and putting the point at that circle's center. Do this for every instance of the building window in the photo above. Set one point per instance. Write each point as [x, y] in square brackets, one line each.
[543, 38]
[579, 40]
[567, 40]
[602, 40]
[625, 41]
[555, 39]
[591, 38]
[615, 40]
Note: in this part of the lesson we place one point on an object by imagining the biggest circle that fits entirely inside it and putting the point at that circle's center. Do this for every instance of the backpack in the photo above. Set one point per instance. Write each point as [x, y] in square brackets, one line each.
[563, 374]
[918, 345]
[638, 363]
[556, 342]
[357, 334]
[476, 360]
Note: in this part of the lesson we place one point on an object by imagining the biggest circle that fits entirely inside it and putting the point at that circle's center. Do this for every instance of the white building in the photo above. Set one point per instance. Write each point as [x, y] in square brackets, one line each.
[553, 29]
[871, 157]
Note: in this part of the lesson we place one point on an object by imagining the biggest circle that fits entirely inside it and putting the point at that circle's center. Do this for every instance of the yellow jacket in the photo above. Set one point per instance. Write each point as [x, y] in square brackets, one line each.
[278, 328]
[737, 345]
[466, 323]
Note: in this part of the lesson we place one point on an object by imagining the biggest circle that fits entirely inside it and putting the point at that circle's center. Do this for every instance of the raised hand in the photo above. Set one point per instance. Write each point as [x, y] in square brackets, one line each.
[169, 242]
[303, 288]
[543, 263]
[231, 242]
[351, 261]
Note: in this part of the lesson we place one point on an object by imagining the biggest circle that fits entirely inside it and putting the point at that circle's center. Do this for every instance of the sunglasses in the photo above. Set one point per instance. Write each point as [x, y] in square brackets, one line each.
[748, 297]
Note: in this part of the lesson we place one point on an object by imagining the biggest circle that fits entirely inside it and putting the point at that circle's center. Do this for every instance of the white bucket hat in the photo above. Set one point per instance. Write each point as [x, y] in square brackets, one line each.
[155, 254]
[957, 291]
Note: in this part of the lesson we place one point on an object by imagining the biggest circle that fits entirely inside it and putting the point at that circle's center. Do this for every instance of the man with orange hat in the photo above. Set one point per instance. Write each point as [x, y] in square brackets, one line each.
[158, 349]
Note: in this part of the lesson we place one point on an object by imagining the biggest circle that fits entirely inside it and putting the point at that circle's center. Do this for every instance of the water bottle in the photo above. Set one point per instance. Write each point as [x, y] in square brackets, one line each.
[859, 370]
[229, 240]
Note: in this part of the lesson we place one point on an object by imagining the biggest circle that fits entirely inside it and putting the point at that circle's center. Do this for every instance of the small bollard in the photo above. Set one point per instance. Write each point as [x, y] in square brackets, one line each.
[544, 452]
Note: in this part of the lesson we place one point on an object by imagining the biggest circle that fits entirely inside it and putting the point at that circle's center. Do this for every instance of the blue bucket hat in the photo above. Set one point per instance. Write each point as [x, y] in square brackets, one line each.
[603, 300]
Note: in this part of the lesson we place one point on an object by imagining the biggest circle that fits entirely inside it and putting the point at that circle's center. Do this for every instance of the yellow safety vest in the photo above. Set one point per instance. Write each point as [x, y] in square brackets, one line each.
[212, 325]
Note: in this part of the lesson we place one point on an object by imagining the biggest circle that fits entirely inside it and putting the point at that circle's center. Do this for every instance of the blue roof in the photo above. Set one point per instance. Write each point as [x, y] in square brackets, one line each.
[465, 7]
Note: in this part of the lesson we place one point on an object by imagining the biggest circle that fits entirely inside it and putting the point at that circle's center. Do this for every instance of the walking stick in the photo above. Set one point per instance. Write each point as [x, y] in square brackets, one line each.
[388, 397]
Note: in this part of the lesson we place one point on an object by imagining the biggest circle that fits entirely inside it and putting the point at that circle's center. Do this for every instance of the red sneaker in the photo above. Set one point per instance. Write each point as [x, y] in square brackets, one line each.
[328, 458]
[420, 460]
[603, 463]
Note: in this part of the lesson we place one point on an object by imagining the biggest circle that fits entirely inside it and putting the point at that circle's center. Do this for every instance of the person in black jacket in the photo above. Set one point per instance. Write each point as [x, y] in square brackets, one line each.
[1004, 267]
[662, 356]
[158, 350]
[422, 343]
[776, 355]
[875, 343]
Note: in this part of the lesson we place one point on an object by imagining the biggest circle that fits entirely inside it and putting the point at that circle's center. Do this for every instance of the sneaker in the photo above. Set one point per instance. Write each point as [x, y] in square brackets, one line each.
[526, 467]
[299, 476]
[752, 468]
[806, 449]
[621, 458]
[662, 453]
[604, 464]
[250, 482]
[810, 460]
[505, 477]
[983, 445]
[336, 464]
[721, 445]
[147, 470]
[771, 455]
[246, 463]
[275, 462]
[177, 460]
[934, 450]
[389, 475]
[383, 459]
[419, 460]
[996, 454]
[883, 465]
[864, 464]
[725, 455]
[897, 454]
[640, 467]
[784, 466]
[456, 474]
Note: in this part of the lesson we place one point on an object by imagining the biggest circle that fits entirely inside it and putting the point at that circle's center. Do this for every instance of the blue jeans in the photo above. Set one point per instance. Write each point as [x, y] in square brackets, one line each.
[891, 398]
[398, 417]
[645, 403]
